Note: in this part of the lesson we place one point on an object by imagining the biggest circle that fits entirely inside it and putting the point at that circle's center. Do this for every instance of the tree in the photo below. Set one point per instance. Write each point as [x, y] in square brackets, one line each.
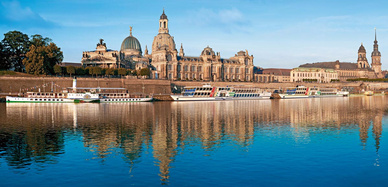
[97, 70]
[109, 71]
[57, 69]
[145, 72]
[5, 64]
[89, 70]
[42, 56]
[17, 44]
[70, 70]
[80, 71]
[122, 71]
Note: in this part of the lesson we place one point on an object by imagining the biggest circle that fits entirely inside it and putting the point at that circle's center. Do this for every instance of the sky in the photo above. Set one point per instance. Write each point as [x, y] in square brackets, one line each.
[278, 33]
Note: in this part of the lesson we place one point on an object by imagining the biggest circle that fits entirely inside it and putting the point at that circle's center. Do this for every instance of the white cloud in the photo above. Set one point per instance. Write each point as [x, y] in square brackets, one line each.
[225, 19]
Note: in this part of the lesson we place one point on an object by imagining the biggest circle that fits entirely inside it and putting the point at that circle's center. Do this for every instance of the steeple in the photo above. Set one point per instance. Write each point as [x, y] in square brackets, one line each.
[376, 51]
[181, 53]
[130, 31]
[376, 56]
[163, 23]
[146, 51]
[362, 62]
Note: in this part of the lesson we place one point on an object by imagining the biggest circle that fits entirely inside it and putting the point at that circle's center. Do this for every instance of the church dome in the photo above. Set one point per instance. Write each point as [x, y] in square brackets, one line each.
[163, 16]
[130, 43]
[163, 41]
[361, 49]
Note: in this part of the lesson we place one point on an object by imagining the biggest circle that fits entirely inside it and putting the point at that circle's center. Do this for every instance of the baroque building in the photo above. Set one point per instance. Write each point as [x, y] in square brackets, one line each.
[130, 55]
[361, 69]
[168, 64]
[102, 56]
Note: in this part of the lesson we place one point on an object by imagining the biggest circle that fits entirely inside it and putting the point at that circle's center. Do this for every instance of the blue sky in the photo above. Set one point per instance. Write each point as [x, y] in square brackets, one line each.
[278, 33]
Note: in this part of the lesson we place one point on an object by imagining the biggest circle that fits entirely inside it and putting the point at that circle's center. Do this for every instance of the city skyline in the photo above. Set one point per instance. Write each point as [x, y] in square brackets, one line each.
[278, 34]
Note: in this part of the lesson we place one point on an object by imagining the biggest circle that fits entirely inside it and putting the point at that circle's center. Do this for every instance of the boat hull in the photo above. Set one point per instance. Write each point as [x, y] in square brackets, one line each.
[189, 98]
[125, 100]
[9, 99]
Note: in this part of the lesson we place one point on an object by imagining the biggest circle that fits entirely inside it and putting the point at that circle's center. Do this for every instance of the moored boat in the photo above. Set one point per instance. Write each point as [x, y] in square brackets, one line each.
[312, 92]
[40, 97]
[209, 93]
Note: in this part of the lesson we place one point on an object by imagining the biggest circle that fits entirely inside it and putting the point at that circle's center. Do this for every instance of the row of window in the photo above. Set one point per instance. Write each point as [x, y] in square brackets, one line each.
[246, 95]
[122, 99]
[199, 69]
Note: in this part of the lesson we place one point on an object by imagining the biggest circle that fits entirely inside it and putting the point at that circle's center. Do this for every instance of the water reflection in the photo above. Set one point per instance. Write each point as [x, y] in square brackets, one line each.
[35, 133]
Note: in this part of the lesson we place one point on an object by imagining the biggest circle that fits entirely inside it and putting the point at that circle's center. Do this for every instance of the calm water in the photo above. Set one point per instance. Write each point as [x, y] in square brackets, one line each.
[301, 142]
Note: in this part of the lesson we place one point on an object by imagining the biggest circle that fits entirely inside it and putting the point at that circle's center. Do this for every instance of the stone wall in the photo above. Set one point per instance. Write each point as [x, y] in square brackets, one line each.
[152, 86]
[15, 84]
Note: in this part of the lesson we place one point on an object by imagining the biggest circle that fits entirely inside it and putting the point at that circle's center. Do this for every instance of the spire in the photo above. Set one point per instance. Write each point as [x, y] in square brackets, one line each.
[181, 53]
[375, 36]
[376, 51]
[130, 30]
[146, 51]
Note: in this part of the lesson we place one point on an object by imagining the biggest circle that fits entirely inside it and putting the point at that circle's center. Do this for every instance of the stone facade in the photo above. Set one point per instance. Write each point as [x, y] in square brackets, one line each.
[130, 55]
[361, 69]
[103, 57]
[319, 75]
[209, 66]
[272, 75]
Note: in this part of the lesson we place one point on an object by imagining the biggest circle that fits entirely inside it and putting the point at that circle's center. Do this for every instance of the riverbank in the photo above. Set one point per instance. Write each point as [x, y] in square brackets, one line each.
[151, 86]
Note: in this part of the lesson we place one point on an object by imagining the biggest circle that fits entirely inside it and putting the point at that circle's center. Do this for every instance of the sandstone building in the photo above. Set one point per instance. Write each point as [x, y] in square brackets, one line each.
[320, 75]
[361, 69]
[272, 75]
[167, 63]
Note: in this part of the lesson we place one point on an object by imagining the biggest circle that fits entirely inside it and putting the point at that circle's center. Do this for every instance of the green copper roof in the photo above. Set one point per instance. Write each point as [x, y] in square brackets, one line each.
[130, 43]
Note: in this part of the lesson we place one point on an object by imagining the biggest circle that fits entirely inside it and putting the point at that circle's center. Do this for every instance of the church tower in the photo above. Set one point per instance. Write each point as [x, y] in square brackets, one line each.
[362, 62]
[163, 23]
[181, 52]
[376, 57]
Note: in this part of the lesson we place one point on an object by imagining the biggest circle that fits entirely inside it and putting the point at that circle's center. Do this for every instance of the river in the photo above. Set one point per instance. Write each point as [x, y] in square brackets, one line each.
[320, 142]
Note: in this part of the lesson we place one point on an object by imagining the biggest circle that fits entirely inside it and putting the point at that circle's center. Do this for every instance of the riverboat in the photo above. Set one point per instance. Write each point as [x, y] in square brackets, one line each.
[312, 92]
[295, 92]
[87, 97]
[209, 93]
[328, 92]
[40, 97]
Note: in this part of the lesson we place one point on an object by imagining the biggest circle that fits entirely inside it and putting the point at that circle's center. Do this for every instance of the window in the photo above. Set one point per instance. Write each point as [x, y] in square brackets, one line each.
[237, 70]
[193, 68]
[169, 67]
[179, 67]
[186, 68]
[199, 68]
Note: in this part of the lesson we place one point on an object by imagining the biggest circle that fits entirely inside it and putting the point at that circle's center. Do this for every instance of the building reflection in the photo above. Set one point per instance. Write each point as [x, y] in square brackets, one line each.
[33, 131]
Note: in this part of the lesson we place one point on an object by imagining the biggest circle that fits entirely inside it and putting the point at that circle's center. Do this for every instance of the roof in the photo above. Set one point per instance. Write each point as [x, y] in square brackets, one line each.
[130, 43]
[276, 71]
[75, 64]
[330, 65]
[313, 69]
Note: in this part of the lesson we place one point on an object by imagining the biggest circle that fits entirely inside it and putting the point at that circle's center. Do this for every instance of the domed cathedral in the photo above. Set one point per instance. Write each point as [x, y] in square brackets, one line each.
[164, 53]
[209, 66]
[131, 53]
[103, 57]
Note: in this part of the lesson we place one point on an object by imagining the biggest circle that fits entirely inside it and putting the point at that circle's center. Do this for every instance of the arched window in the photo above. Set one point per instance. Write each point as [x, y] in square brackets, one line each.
[164, 24]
